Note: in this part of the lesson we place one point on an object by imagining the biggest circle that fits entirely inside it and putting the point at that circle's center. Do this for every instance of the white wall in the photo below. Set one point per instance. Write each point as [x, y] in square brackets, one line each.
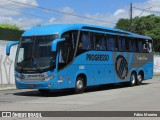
[157, 64]
[7, 64]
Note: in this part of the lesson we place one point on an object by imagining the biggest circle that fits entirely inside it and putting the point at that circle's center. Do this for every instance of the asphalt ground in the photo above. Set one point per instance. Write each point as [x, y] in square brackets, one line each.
[145, 97]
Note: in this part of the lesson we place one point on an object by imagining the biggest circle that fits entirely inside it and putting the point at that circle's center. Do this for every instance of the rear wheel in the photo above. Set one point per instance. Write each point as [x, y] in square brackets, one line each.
[133, 79]
[80, 85]
[139, 79]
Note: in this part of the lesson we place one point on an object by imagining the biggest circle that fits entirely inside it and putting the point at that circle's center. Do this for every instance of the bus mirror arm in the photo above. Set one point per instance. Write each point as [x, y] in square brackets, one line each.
[8, 47]
[55, 42]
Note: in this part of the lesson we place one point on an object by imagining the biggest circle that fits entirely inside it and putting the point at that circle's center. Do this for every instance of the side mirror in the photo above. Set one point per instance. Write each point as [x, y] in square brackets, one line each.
[8, 47]
[54, 44]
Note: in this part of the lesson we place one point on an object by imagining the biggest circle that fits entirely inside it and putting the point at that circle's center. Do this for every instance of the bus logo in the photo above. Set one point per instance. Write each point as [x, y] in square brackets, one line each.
[121, 67]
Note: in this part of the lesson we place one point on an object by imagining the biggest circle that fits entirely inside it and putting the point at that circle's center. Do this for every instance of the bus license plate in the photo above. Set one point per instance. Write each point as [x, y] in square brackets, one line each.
[31, 86]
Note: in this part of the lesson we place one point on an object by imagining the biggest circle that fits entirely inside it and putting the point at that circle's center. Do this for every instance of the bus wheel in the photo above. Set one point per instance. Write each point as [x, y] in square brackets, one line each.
[80, 85]
[139, 79]
[43, 91]
[133, 79]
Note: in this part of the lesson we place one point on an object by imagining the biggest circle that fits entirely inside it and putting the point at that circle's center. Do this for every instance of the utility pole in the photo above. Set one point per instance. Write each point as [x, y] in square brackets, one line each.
[130, 17]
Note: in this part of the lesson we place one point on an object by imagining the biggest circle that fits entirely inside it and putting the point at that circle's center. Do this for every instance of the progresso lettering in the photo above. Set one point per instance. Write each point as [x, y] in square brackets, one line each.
[97, 57]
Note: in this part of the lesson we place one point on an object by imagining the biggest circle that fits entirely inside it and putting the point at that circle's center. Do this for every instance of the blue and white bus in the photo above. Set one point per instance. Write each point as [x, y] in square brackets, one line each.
[75, 56]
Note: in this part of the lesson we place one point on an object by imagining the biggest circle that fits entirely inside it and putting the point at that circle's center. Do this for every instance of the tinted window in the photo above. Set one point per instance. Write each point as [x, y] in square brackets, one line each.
[100, 42]
[85, 41]
[111, 43]
[132, 45]
[140, 45]
[67, 48]
[147, 46]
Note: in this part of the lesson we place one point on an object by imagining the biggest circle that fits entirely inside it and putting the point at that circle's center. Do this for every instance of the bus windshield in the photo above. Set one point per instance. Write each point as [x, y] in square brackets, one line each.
[34, 54]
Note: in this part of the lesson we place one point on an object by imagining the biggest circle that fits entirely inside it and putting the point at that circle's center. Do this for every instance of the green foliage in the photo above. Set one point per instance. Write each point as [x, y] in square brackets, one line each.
[10, 34]
[146, 25]
[8, 26]
[123, 24]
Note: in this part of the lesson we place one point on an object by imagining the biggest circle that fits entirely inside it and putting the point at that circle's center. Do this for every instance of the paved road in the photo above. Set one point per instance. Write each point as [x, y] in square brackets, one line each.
[105, 98]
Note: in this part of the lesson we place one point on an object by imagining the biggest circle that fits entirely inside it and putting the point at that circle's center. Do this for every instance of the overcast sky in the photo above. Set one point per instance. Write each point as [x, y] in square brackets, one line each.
[109, 11]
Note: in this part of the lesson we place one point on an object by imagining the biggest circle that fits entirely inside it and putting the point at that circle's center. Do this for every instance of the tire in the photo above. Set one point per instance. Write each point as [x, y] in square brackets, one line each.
[44, 92]
[139, 79]
[132, 80]
[80, 85]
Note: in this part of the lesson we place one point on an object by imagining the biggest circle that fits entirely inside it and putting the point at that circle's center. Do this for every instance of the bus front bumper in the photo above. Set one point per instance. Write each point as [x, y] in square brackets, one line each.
[35, 85]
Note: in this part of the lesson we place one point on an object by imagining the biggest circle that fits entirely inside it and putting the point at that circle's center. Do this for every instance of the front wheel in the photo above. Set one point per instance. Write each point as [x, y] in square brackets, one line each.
[80, 85]
[133, 79]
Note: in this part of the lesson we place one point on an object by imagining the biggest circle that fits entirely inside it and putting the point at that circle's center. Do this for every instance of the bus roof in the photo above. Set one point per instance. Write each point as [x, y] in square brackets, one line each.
[61, 28]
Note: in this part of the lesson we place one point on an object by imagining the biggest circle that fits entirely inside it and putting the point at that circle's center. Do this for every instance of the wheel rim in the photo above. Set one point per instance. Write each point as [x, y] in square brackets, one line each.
[133, 79]
[79, 84]
[139, 78]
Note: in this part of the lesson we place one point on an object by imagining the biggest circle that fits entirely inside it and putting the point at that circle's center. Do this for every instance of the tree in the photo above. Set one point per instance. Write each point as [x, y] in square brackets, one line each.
[146, 25]
[123, 24]
[8, 26]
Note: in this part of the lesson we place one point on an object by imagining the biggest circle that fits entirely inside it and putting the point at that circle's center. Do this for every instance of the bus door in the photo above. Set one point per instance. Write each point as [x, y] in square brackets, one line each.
[66, 55]
[62, 62]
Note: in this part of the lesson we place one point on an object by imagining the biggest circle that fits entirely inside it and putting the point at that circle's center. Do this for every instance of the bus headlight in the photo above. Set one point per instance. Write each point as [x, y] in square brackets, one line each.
[18, 79]
[49, 78]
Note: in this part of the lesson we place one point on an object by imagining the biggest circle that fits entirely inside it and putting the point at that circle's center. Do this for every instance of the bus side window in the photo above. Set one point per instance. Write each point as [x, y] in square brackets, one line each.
[62, 53]
[140, 46]
[103, 43]
[97, 42]
[100, 42]
[121, 44]
[67, 47]
[132, 45]
[86, 41]
[106, 41]
[74, 39]
[93, 40]
[147, 46]
[150, 46]
[127, 44]
[111, 43]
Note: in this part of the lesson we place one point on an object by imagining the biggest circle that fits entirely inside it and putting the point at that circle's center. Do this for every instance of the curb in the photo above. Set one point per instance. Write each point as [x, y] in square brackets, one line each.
[7, 87]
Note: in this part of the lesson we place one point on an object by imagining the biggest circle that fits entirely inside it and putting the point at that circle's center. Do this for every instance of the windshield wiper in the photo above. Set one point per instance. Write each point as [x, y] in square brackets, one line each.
[21, 69]
[39, 70]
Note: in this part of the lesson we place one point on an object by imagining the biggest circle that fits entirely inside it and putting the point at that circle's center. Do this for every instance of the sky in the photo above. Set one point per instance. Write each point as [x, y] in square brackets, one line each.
[99, 12]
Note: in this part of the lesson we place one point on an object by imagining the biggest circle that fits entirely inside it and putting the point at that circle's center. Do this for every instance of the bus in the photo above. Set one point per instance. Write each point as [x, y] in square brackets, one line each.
[76, 56]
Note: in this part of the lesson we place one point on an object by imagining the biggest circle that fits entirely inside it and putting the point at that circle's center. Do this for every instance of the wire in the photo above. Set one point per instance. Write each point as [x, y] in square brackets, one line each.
[138, 16]
[23, 12]
[24, 5]
[27, 13]
[147, 10]
[61, 12]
